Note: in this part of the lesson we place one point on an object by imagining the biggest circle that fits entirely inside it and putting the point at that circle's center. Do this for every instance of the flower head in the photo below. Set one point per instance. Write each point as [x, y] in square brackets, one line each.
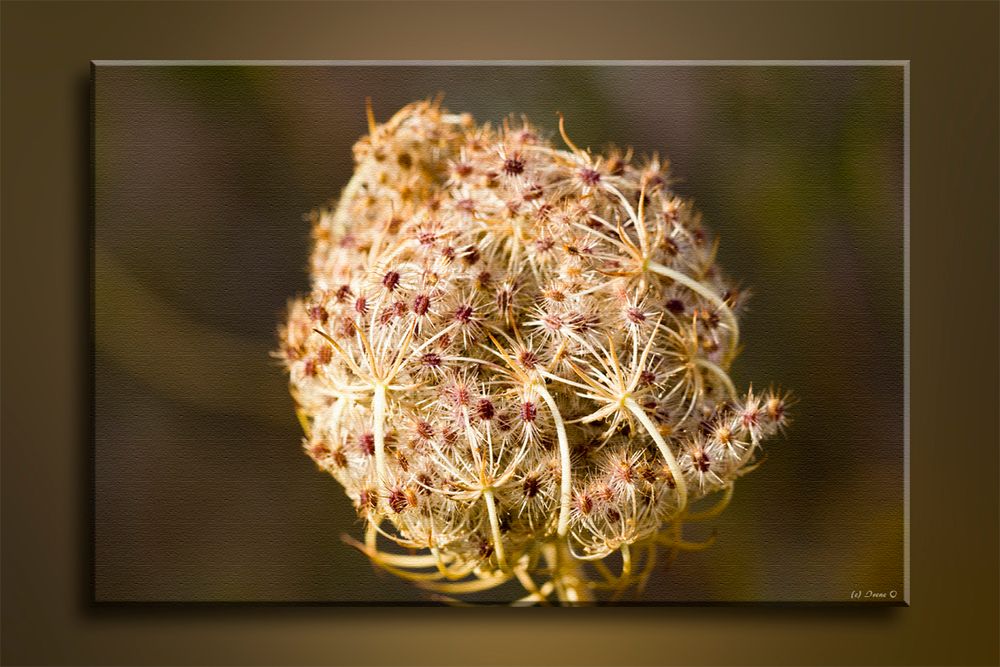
[515, 358]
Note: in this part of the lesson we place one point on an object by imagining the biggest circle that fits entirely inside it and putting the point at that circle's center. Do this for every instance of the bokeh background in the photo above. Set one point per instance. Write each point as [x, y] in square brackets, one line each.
[202, 175]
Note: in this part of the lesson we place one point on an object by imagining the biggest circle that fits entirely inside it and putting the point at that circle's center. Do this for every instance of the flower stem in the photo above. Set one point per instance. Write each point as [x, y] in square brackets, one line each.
[491, 508]
[654, 433]
[566, 482]
[708, 293]
[567, 574]
[378, 430]
[718, 373]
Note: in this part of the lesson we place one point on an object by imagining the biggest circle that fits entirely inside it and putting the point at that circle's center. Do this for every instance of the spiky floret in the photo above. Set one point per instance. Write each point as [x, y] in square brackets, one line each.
[515, 359]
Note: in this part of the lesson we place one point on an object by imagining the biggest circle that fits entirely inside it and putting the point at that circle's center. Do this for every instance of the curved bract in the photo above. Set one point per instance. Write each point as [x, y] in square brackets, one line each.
[514, 359]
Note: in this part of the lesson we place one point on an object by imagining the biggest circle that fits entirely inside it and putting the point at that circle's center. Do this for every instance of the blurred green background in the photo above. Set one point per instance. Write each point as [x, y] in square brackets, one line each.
[203, 174]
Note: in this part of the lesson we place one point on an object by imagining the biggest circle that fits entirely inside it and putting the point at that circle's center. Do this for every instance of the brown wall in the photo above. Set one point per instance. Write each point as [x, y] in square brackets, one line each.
[45, 54]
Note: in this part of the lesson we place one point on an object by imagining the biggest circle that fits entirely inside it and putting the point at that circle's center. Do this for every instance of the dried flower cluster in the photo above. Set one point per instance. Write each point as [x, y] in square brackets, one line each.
[514, 359]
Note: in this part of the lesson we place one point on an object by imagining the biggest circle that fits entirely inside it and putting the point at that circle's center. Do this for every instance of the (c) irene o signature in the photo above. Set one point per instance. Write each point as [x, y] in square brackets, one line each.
[873, 595]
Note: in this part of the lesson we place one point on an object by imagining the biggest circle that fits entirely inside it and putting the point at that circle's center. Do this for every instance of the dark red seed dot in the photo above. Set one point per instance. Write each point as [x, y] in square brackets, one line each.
[343, 293]
[421, 303]
[464, 314]
[397, 501]
[544, 245]
[390, 280]
[318, 314]
[339, 459]
[590, 177]
[513, 166]
[347, 327]
[485, 409]
[361, 305]
[425, 429]
[367, 444]
[430, 359]
[471, 255]
[424, 480]
[528, 359]
[635, 316]
[531, 486]
[529, 412]
[675, 306]
[461, 395]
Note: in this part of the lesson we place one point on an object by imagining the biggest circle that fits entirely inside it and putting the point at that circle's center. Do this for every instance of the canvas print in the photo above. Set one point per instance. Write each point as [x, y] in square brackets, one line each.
[482, 333]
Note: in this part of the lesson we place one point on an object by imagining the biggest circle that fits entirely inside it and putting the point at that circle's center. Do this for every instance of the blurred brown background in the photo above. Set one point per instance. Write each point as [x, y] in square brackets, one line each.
[202, 175]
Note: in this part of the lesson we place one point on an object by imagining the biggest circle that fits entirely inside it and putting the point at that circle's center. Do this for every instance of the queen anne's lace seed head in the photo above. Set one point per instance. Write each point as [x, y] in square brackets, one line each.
[514, 358]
